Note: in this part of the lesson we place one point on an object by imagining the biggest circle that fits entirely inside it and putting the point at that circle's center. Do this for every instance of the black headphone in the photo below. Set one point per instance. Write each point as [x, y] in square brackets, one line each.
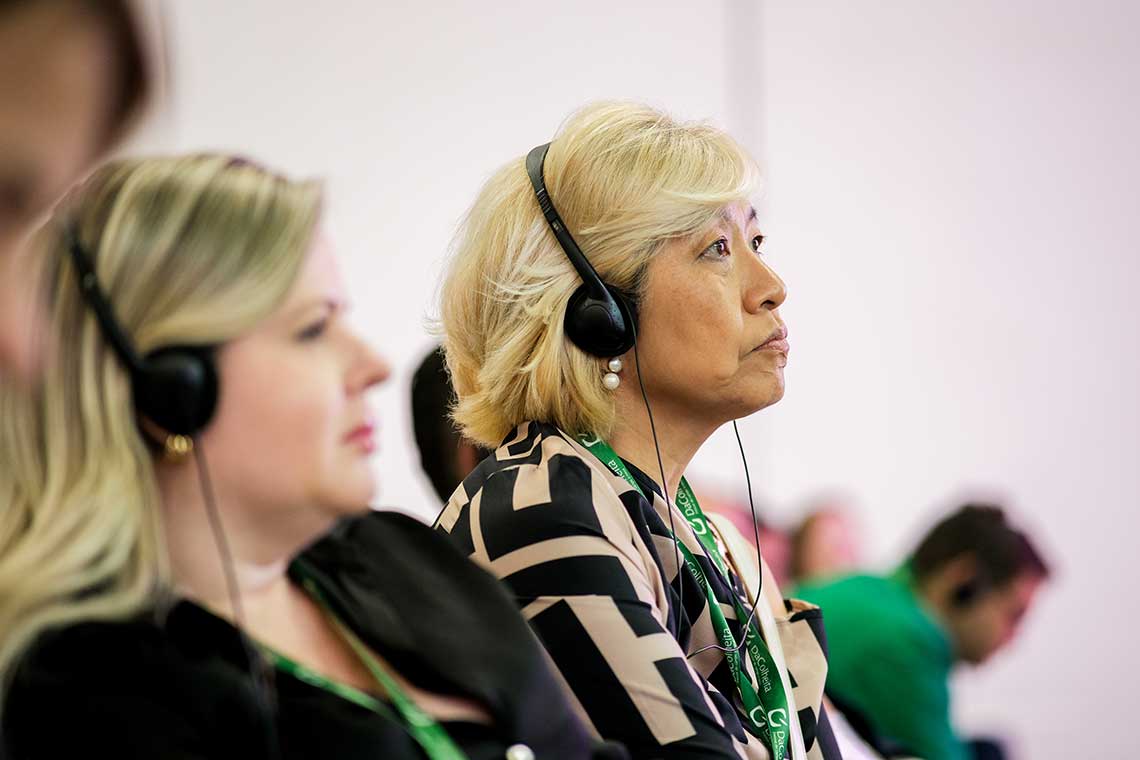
[600, 319]
[175, 387]
[968, 592]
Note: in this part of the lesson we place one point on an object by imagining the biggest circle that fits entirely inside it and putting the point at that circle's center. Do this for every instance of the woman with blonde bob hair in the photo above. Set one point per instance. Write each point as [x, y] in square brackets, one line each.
[188, 564]
[606, 309]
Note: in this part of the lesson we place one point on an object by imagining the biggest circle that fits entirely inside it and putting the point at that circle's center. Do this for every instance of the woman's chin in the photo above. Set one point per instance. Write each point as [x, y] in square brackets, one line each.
[351, 496]
[766, 393]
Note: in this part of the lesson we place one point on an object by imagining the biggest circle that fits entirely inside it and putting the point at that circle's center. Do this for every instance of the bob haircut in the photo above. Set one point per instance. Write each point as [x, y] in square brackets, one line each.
[626, 179]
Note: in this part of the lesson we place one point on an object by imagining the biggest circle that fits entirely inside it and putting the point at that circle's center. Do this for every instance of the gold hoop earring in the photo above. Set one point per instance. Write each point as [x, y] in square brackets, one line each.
[177, 447]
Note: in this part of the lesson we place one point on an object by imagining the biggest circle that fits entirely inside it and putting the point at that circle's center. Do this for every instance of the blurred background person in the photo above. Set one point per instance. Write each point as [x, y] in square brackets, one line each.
[200, 319]
[73, 76]
[961, 596]
[825, 543]
[446, 455]
[775, 544]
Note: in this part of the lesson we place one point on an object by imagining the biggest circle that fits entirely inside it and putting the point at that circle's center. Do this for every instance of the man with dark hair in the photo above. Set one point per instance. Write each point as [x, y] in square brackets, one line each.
[893, 640]
[445, 454]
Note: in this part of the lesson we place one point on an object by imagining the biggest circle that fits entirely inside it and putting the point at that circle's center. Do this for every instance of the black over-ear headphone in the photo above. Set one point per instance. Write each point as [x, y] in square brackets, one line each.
[968, 592]
[600, 320]
[175, 387]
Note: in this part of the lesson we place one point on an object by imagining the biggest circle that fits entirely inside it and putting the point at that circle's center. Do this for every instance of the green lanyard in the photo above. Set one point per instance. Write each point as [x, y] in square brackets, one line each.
[767, 709]
[429, 734]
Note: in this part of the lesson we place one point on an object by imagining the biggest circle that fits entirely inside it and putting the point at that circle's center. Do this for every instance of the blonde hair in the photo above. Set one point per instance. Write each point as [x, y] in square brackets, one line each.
[190, 251]
[626, 179]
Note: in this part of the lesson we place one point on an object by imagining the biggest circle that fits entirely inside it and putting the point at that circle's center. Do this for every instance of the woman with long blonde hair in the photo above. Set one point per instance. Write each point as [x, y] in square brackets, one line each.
[607, 308]
[188, 564]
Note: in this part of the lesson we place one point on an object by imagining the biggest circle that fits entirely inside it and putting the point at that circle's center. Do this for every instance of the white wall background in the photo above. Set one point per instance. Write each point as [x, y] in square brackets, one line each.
[952, 199]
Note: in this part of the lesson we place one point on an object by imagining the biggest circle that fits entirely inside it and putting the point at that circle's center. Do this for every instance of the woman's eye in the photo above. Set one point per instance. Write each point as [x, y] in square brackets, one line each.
[313, 331]
[757, 242]
[717, 250]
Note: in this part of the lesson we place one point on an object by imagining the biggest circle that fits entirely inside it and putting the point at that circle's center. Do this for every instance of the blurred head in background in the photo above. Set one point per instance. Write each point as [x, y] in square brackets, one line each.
[826, 543]
[73, 76]
[446, 455]
[980, 576]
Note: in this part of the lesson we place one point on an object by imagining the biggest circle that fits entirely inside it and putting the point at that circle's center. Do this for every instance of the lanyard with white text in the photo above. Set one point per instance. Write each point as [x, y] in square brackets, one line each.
[428, 733]
[769, 713]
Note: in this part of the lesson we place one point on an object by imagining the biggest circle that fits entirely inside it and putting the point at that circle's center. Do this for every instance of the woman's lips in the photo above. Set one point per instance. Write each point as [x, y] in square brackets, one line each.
[363, 436]
[777, 342]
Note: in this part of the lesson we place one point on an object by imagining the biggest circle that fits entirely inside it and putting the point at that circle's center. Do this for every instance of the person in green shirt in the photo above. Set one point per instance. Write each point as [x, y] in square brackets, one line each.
[893, 640]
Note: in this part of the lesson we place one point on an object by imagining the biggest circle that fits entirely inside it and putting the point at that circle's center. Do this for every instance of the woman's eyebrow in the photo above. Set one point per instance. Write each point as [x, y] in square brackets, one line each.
[727, 216]
[330, 305]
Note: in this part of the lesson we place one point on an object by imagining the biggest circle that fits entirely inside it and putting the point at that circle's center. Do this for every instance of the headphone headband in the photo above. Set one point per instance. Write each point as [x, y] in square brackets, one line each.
[535, 161]
[175, 387]
[93, 295]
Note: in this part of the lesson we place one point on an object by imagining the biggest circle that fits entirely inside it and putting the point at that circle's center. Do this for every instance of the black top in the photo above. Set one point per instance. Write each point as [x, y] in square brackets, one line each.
[181, 688]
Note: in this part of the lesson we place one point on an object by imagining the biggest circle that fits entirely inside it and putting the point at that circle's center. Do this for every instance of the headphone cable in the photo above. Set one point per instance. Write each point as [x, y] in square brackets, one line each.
[664, 484]
[260, 674]
[672, 529]
[759, 561]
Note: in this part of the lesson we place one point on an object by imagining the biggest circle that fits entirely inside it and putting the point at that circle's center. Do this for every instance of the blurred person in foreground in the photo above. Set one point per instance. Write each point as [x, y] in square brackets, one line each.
[960, 597]
[73, 77]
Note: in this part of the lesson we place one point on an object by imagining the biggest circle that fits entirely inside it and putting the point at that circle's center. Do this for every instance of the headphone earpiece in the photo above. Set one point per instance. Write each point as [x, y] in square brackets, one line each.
[966, 593]
[603, 327]
[600, 319]
[177, 389]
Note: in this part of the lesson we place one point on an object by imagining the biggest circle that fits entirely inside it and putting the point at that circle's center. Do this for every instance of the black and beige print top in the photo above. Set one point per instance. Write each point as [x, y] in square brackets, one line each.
[592, 566]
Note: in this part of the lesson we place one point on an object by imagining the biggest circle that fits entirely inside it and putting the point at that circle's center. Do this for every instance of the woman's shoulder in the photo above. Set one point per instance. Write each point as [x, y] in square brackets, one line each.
[91, 650]
[443, 621]
[179, 636]
[534, 450]
[155, 676]
[390, 552]
[538, 485]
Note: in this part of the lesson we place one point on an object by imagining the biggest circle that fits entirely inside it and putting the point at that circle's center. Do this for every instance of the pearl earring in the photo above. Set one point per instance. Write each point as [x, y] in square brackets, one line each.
[611, 380]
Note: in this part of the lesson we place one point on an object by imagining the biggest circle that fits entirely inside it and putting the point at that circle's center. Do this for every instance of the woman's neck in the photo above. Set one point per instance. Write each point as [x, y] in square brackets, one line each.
[677, 440]
[258, 555]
